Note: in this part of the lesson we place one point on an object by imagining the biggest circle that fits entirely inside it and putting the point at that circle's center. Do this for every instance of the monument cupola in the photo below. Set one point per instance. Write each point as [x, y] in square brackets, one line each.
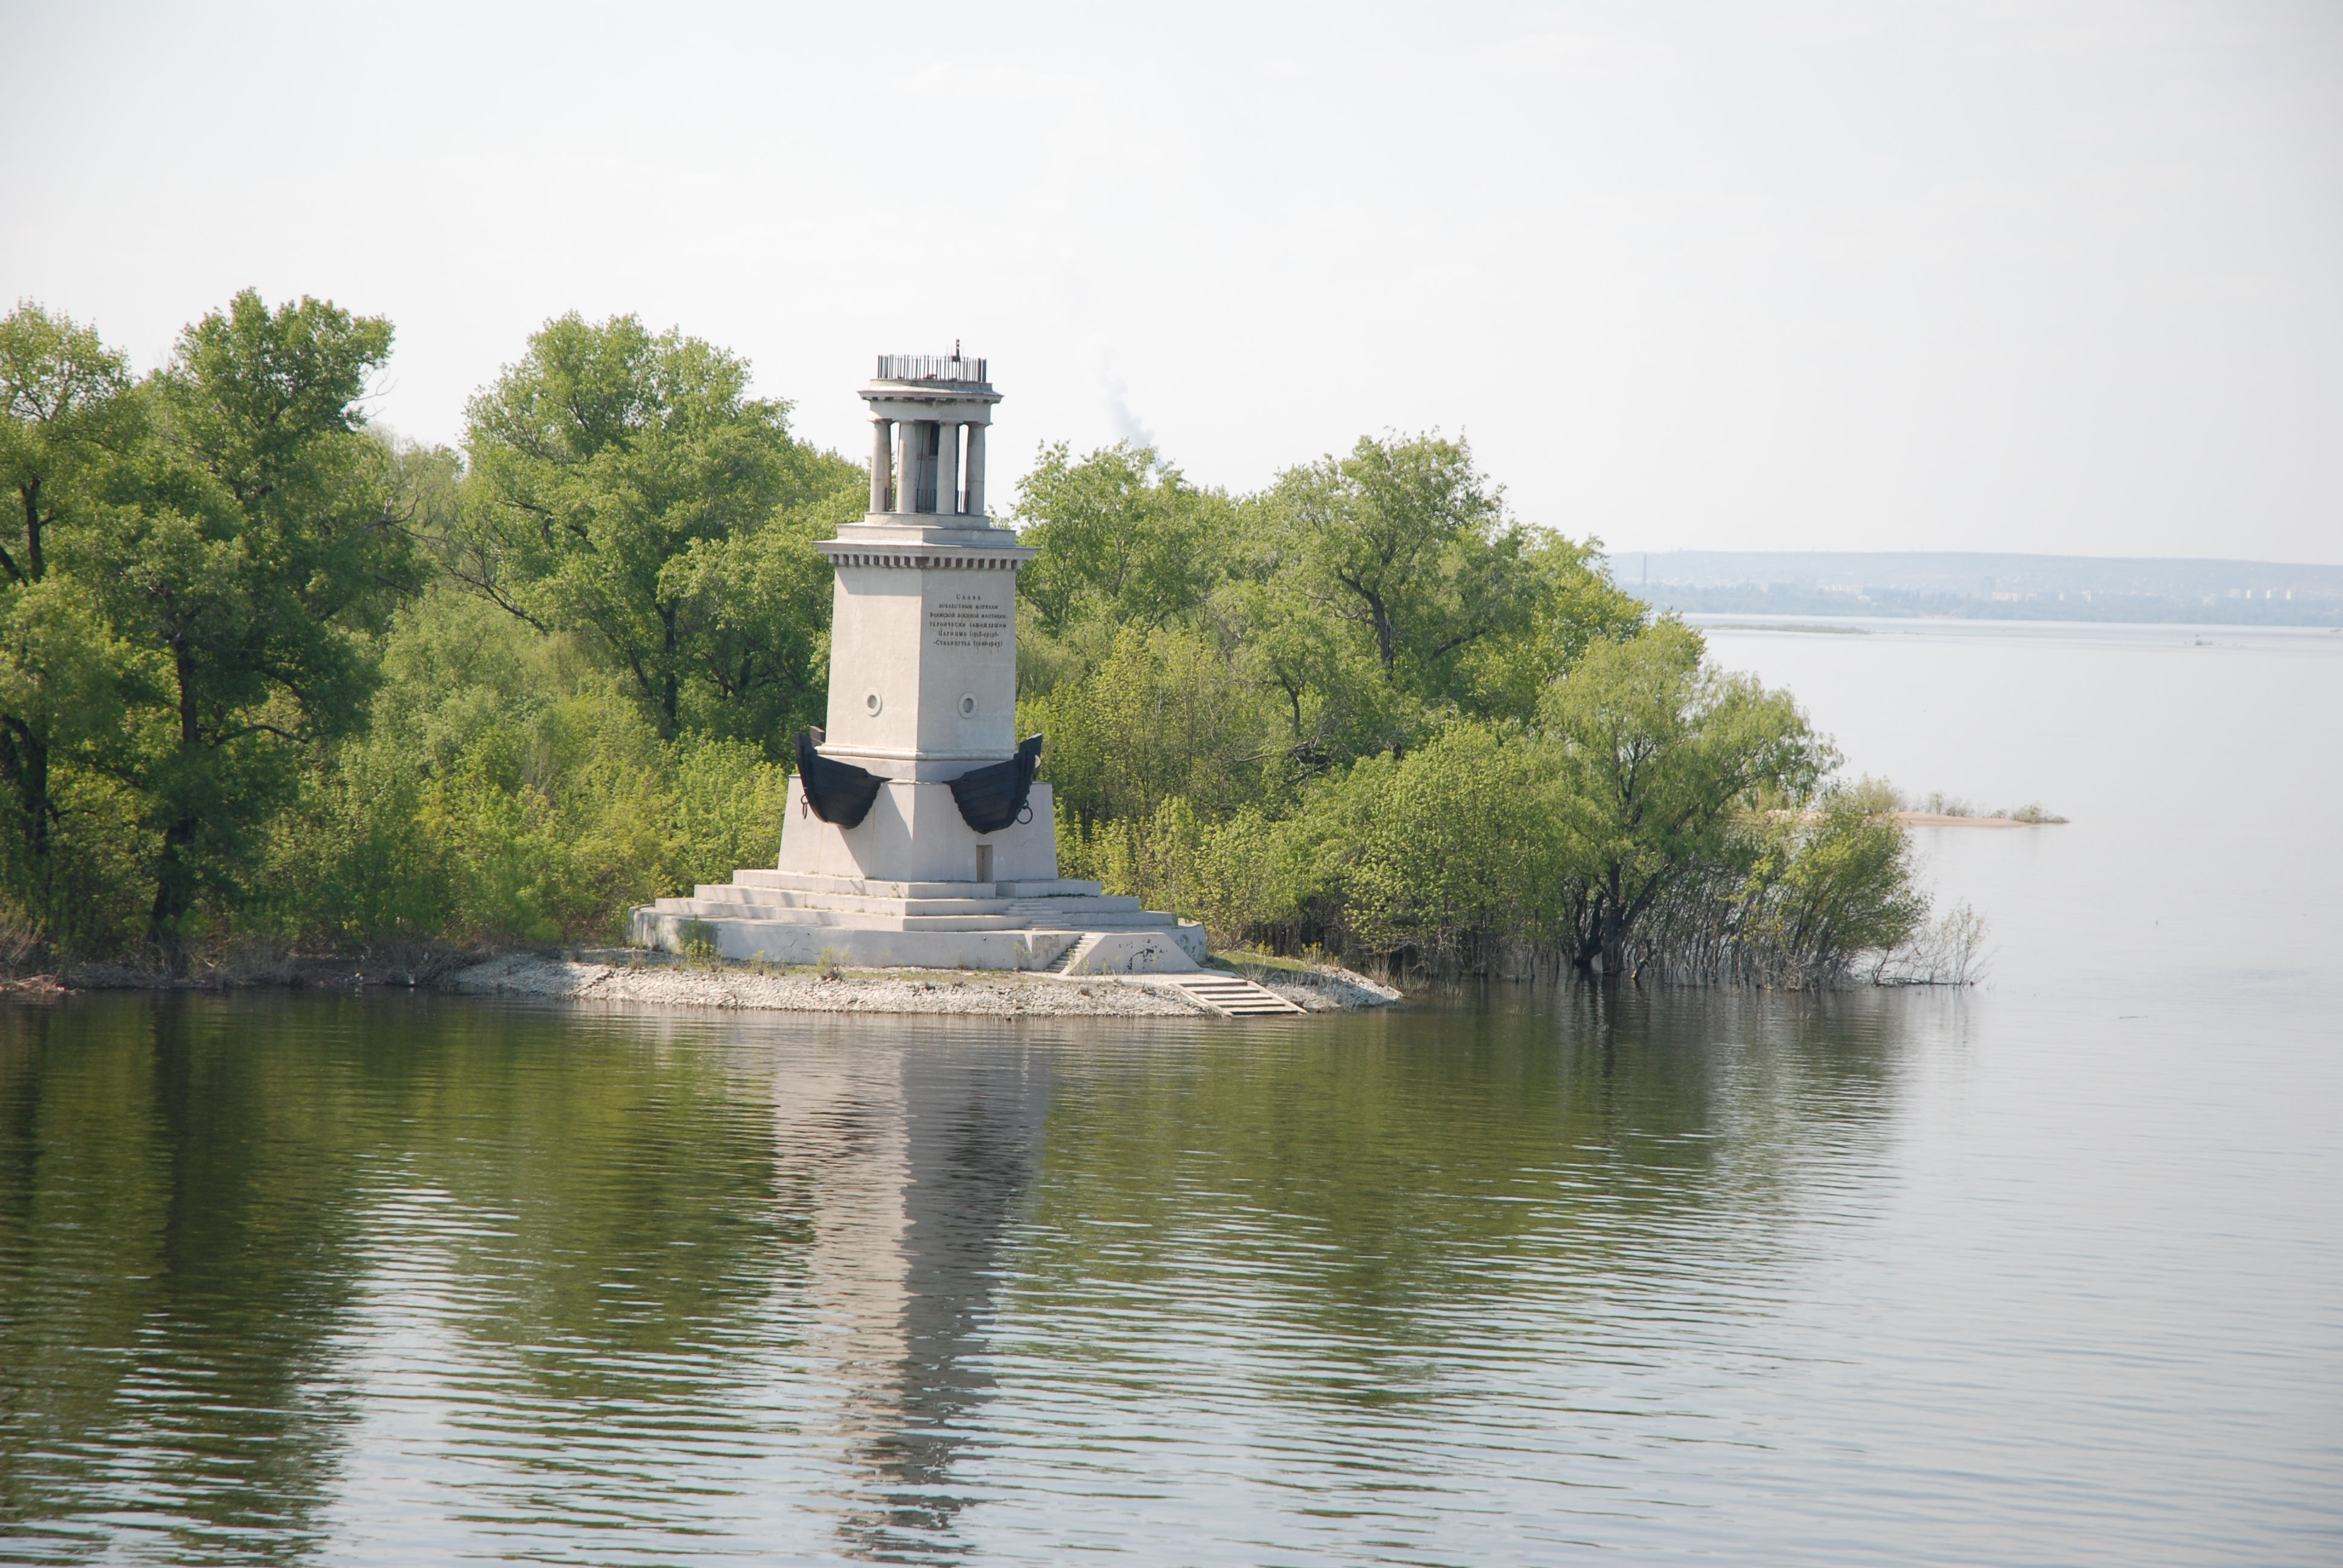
[929, 416]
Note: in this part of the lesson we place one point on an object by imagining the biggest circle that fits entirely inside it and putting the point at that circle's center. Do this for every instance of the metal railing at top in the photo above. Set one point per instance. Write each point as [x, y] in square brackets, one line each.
[931, 367]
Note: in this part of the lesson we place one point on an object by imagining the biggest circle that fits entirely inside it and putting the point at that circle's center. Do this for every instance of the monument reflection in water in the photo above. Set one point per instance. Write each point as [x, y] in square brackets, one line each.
[911, 1165]
[417, 1282]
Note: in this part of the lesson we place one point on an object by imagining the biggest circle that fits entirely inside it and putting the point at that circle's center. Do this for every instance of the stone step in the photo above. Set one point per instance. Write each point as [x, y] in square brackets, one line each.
[861, 944]
[1065, 960]
[1233, 996]
[1073, 907]
[865, 903]
[859, 919]
[856, 887]
[1091, 904]
[976, 916]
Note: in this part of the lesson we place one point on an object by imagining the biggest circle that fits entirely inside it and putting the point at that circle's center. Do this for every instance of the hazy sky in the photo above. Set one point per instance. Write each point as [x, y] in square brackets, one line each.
[2034, 276]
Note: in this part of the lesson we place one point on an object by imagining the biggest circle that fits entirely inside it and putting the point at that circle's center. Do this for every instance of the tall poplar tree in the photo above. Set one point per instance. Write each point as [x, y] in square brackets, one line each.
[255, 545]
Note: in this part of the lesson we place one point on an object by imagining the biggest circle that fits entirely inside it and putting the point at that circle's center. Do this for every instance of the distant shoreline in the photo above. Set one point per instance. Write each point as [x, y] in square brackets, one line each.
[1992, 586]
[1837, 618]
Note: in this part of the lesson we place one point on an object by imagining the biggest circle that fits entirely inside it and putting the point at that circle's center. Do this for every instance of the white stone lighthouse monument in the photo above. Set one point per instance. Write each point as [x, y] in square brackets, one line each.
[917, 834]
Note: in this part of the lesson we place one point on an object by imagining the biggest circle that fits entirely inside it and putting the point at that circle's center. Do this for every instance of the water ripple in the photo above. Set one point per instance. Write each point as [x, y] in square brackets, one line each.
[348, 1283]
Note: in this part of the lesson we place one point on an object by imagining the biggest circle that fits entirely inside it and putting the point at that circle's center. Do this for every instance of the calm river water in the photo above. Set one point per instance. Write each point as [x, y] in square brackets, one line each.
[2048, 1271]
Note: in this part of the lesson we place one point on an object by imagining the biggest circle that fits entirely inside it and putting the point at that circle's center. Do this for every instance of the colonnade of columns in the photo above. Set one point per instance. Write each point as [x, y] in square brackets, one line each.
[922, 471]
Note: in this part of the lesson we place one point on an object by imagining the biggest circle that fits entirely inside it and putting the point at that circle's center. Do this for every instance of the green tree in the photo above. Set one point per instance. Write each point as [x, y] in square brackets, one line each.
[1571, 605]
[1166, 715]
[623, 484]
[1653, 757]
[508, 788]
[255, 548]
[1122, 537]
[755, 624]
[1337, 703]
[1406, 541]
[1371, 591]
[1833, 882]
[64, 412]
[1453, 856]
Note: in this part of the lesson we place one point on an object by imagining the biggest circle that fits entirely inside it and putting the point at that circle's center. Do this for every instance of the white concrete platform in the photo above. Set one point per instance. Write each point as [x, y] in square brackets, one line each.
[927, 924]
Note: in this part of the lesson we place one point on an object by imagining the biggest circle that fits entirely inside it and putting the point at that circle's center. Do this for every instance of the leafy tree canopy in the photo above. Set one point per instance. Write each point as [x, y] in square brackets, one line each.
[1406, 541]
[1122, 537]
[65, 410]
[625, 485]
[1654, 756]
[62, 410]
[1357, 606]
[248, 543]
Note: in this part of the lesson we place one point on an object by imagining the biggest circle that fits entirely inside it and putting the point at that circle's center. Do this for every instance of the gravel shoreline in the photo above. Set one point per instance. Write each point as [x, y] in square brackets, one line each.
[959, 991]
[657, 980]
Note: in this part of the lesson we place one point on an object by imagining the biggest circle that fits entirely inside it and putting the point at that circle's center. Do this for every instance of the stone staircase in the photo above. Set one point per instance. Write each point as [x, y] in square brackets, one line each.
[1064, 961]
[1233, 996]
[799, 918]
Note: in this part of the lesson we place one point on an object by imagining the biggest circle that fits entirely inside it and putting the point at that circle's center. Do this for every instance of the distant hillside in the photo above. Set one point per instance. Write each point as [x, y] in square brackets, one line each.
[1990, 587]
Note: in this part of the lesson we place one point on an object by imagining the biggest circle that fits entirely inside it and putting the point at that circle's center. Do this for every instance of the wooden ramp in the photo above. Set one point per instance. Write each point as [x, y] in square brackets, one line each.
[1233, 996]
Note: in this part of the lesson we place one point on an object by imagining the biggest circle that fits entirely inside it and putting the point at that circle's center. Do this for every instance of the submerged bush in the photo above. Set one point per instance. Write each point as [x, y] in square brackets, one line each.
[1794, 897]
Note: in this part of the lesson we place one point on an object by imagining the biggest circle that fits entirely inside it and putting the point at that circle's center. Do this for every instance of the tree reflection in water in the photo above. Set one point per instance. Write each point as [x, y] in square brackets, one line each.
[174, 1266]
[322, 1277]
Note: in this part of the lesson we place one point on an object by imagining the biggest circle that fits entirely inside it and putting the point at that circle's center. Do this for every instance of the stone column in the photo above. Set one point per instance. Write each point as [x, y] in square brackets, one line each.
[948, 468]
[919, 478]
[883, 459]
[907, 464]
[976, 469]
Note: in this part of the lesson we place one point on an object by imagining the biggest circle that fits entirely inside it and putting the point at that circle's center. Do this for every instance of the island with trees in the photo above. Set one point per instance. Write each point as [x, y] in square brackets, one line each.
[267, 678]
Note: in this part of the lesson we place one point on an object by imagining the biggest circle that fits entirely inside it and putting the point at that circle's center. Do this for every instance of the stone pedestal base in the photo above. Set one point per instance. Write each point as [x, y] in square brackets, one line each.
[915, 833]
[787, 917]
[901, 889]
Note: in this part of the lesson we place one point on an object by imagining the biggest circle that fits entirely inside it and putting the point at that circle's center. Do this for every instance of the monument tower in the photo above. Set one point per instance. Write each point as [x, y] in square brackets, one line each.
[917, 834]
